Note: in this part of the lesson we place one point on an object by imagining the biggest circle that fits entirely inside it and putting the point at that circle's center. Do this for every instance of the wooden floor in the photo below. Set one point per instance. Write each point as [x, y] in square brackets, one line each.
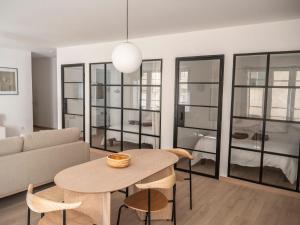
[215, 203]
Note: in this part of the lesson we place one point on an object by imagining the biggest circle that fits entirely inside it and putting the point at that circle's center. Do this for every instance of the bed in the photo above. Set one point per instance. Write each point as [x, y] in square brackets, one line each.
[287, 165]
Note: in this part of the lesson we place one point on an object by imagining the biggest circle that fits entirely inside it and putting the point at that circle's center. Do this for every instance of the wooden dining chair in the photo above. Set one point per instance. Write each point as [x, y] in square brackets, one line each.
[149, 200]
[182, 153]
[55, 213]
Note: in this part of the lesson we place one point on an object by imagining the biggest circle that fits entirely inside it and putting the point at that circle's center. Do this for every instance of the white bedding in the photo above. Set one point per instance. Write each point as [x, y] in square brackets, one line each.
[288, 165]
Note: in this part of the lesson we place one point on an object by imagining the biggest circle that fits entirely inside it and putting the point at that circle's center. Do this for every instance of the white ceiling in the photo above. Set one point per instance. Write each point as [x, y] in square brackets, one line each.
[45, 24]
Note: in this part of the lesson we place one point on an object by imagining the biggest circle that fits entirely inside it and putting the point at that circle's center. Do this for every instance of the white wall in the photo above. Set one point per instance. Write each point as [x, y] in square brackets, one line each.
[16, 110]
[44, 92]
[277, 36]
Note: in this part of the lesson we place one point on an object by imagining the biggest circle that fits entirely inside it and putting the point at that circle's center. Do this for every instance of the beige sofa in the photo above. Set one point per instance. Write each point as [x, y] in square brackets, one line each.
[37, 157]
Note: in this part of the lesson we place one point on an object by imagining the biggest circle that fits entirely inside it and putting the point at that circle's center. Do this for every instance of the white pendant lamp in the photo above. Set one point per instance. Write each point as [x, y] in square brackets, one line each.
[126, 57]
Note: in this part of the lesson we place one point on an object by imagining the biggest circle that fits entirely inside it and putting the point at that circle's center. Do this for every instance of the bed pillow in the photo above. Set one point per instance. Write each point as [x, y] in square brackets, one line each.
[258, 137]
[240, 135]
[147, 124]
[133, 122]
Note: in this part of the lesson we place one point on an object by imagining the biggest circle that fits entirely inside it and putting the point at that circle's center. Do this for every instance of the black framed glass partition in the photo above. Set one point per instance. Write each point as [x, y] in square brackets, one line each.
[265, 123]
[125, 108]
[73, 97]
[198, 112]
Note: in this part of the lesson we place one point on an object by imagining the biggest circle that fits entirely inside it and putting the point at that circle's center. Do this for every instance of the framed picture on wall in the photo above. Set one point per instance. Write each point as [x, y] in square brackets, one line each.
[9, 81]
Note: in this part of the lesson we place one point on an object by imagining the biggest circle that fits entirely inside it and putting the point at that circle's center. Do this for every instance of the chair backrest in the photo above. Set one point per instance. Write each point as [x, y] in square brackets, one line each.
[180, 152]
[42, 205]
[164, 183]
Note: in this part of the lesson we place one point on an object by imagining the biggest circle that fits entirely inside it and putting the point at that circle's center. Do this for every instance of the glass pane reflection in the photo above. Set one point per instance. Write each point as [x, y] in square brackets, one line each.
[113, 76]
[150, 123]
[97, 117]
[113, 119]
[97, 74]
[250, 70]
[113, 96]
[247, 133]
[131, 120]
[197, 139]
[280, 171]
[245, 164]
[131, 97]
[249, 102]
[97, 95]
[282, 138]
[199, 71]
[73, 74]
[151, 74]
[149, 142]
[197, 117]
[97, 138]
[199, 94]
[113, 140]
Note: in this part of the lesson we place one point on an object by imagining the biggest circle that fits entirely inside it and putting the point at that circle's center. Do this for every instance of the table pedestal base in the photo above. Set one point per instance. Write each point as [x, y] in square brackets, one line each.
[97, 206]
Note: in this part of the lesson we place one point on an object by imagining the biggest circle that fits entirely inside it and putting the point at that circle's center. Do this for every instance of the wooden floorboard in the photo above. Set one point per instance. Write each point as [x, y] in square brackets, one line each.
[215, 203]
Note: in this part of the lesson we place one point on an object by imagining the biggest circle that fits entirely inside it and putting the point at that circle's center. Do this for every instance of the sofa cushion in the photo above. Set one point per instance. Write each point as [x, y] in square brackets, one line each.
[50, 138]
[11, 145]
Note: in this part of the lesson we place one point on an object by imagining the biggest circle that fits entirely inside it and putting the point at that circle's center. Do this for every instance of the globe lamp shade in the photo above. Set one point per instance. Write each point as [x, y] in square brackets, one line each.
[126, 57]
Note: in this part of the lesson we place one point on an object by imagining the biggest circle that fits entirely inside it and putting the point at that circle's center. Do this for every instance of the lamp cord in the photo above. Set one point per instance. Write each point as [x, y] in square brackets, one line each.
[127, 20]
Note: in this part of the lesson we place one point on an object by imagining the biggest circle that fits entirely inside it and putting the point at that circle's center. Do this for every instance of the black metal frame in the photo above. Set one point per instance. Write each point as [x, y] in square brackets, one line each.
[219, 107]
[264, 119]
[64, 112]
[122, 108]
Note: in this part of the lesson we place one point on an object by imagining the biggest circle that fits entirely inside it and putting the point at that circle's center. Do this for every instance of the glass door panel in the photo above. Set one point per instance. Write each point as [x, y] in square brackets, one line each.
[131, 97]
[127, 109]
[199, 94]
[150, 123]
[131, 120]
[97, 95]
[74, 106]
[199, 83]
[198, 117]
[73, 74]
[73, 96]
[150, 98]
[97, 74]
[271, 131]
[73, 121]
[284, 176]
[190, 70]
[97, 117]
[247, 133]
[113, 96]
[248, 102]
[250, 70]
[245, 164]
[73, 90]
[97, 137]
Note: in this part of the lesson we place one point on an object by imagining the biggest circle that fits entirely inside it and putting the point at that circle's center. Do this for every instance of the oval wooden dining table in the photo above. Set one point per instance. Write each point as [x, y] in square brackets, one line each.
[93, 182]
